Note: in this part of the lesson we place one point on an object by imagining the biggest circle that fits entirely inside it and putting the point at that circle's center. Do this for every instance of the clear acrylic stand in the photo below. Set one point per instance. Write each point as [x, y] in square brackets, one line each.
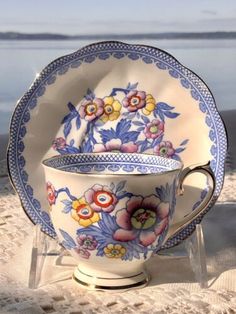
[52, 263]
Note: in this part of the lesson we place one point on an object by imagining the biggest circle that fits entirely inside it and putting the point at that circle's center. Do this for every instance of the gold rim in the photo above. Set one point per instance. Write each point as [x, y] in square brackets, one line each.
[100, 287]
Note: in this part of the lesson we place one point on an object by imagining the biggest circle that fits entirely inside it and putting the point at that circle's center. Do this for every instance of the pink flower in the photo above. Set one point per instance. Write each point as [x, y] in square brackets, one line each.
[154, 129]
[115, 145]
[134, 100]
[101, 198]
[82, 252]
[89, 110]
[87, 242]
[164, 149]
[51, 193]
[59, 143]
[143, 218]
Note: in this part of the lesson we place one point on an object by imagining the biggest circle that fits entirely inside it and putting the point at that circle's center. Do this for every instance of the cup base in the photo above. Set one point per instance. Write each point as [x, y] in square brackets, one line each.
[114, 284]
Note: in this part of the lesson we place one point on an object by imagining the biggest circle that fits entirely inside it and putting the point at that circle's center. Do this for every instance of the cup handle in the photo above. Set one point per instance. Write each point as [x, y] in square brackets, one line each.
[205, 169]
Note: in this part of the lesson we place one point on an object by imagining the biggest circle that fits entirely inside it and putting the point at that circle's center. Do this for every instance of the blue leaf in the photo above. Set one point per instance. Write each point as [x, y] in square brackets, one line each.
[71, 150]
[67, 238]
[176, 157]
[78, 122]
[125, 114]
[179, 150]
[129, 137]
[140, 129]
[164, 106]
[170, 114]
[66, 202]
[145, 119]
[67, 245]
[124, 194]
[93, 231]
[66, 118]
[107, 224]
[92, 139]
[131, 115]
[164, 193]
[100, 251]
[67, 209]
[122, 127]
[71, 107]
[62, 151]
[138, 114]
[90, 95]
[67, 128]
[132, 86]
[138, 123]
[144, 146]
[112, 186]
[72, 142]
[157, 141]
[161, 115]
[120, 186]
[107, 135]
[184, 142]
[87, 147]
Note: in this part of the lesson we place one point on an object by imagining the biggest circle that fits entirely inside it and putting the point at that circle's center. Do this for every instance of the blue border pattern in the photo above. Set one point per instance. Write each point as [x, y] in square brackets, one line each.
[112, 162]
[102, 51]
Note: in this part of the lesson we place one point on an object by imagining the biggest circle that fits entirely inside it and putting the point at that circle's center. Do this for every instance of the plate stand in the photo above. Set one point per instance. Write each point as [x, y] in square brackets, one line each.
[51, 263]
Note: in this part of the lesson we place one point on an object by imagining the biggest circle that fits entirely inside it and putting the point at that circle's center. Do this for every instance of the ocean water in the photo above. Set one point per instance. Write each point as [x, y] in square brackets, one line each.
[213, 60]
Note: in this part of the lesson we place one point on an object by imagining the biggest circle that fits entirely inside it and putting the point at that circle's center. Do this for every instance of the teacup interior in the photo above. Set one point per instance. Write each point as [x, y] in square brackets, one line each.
[112, 163]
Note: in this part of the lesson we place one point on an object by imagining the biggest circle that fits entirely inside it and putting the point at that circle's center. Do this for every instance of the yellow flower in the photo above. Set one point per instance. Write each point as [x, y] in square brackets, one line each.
[83, 213]
[112, 109]
[114, 250]
[150, 105]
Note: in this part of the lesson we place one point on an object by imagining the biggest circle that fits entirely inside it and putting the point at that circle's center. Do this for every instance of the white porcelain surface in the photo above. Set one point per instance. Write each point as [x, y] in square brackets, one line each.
[192, 119]
[114, 211]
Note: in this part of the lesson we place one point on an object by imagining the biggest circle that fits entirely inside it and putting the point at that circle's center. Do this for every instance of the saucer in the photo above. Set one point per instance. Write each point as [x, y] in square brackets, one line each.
[112, 96]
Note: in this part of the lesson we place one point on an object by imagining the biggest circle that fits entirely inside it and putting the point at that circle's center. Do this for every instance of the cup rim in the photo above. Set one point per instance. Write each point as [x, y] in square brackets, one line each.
[179, 164]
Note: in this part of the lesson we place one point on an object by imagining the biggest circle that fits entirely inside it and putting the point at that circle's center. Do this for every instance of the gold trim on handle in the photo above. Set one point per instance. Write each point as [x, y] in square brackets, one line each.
[205, 169]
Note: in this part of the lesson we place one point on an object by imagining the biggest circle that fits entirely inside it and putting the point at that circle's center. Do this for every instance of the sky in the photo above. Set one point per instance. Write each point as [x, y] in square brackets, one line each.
[117, 16]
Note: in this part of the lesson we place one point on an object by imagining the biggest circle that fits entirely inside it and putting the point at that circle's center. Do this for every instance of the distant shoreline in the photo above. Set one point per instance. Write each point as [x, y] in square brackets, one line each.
[170, 35]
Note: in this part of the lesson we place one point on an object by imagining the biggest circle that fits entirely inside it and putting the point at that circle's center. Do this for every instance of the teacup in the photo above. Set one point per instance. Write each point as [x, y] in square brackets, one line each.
[113, 211]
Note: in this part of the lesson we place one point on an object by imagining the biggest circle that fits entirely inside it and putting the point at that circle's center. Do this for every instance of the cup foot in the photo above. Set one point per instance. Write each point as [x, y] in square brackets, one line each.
[114, 284]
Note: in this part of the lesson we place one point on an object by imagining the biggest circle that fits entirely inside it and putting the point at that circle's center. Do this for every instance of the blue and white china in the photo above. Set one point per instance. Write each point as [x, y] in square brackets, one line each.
[112, 211]
[112, 96]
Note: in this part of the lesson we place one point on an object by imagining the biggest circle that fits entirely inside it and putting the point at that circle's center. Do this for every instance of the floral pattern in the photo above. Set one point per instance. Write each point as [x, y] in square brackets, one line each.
[83, 246]
[83, 213]
[59, 143]
[87, 242]
[115, 145]
[51, 193]
[114, 250]
[150, 105]
[164, 149]
[138, 124]
[89, 110]
[134, 100]
[154, 129]
[118, 232]
[143, 218]
[112, 109]
[101, 198]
